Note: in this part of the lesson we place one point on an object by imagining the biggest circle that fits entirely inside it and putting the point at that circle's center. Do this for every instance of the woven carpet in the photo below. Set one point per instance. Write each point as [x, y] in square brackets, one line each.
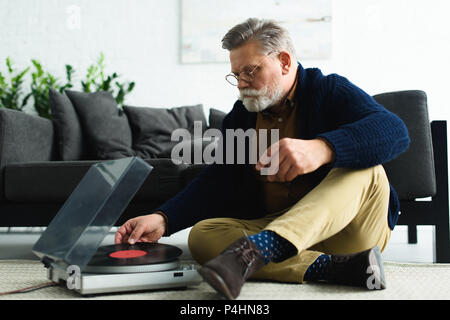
[404, 281]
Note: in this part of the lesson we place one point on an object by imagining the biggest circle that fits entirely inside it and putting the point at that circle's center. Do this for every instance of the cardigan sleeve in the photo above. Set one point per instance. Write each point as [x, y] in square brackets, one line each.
[366, 133]
[201, 199]
[208, 194]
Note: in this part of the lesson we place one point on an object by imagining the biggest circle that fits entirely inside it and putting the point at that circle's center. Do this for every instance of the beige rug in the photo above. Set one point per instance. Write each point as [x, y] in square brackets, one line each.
[404, 281]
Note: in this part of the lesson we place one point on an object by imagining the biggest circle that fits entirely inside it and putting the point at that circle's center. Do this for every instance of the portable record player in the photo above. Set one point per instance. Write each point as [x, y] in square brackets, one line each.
[69, 247]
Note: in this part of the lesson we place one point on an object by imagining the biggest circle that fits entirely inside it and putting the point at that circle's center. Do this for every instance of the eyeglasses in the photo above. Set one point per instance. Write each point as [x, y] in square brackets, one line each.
[247, 76]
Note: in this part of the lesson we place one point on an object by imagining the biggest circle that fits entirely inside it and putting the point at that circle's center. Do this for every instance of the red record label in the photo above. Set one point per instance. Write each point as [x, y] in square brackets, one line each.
[127, 254]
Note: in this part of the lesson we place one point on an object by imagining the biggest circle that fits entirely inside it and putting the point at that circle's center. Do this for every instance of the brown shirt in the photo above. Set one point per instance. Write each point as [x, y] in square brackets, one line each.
[281, 195]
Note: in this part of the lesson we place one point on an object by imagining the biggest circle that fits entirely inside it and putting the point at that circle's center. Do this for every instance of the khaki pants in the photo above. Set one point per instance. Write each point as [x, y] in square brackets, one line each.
[345, 213]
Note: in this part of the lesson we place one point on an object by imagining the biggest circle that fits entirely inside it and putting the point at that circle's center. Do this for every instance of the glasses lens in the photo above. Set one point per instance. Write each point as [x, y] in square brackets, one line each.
[232, 79]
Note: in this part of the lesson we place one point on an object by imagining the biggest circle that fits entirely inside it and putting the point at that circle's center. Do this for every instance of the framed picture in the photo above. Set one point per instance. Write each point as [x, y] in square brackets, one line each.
[204, 23]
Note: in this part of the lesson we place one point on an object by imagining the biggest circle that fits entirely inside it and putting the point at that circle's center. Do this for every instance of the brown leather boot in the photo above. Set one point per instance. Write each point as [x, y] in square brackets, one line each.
[229, 270]
[363, 269]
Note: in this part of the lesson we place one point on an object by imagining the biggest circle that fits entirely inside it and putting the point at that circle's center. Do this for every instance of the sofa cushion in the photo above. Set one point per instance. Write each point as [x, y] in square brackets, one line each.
[24, 137]
[104, 124]
[152, 127]
[69, 136]
[194, 149]
[54, 181]
[215, 118]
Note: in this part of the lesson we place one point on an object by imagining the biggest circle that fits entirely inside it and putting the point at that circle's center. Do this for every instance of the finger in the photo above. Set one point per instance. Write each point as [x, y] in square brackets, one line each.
[263, 161]
[118, 238]
[292, 173]
[266, 157]
[125, 239]
[120, 233]
[283, 167]
[277, 163]
[136, 234]
[129, 226]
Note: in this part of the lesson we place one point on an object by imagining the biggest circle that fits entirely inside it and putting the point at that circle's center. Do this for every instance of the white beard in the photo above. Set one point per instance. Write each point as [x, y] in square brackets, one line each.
[258, 100]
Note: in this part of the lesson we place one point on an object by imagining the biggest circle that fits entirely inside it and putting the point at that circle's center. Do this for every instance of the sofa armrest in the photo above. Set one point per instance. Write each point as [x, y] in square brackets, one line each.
[24, 138]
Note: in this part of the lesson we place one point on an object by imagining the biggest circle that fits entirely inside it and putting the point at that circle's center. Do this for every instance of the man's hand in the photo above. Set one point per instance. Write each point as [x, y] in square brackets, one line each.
[149, 228]
[296, 157]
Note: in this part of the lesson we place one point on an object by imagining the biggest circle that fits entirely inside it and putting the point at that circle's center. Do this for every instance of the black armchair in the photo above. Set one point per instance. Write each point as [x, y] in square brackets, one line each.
[422, 171]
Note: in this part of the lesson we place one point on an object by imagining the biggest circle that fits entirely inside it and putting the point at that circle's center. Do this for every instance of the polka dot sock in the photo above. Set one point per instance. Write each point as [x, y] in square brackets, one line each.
[272, 246]
[319, 269]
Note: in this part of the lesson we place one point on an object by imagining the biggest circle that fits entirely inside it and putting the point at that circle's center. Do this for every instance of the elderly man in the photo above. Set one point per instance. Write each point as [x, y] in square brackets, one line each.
[326, 213]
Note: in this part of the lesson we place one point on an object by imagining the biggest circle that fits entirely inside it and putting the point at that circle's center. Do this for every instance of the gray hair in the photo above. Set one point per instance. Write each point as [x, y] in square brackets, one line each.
[270, 35]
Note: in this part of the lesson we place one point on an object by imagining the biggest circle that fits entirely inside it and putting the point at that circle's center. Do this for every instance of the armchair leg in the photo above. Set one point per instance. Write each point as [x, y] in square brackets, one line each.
[441, 210]
[442, 242]
[412, 234]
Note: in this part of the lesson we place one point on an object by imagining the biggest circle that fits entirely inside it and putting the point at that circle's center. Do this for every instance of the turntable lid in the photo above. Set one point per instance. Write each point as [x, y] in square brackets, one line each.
[87, 216]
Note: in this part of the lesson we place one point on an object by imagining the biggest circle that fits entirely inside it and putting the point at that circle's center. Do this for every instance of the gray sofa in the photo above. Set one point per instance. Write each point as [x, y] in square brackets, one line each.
[42, 161]
[39, 167]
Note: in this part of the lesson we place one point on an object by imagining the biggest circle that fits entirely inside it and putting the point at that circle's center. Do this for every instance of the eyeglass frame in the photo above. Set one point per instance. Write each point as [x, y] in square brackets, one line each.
[250, 74]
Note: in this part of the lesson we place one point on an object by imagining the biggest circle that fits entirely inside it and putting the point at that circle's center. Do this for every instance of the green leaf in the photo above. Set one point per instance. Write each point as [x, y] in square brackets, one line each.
[9, 65]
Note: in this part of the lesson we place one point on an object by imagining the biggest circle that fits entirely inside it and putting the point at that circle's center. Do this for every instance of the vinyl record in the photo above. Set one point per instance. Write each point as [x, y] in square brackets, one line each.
[140, 257]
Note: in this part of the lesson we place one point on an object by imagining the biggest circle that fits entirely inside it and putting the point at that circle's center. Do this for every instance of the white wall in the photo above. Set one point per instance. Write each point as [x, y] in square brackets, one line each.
[387, 45]
[380, 45]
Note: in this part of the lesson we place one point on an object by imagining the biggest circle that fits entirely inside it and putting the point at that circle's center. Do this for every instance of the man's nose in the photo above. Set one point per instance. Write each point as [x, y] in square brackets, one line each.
[242, 84]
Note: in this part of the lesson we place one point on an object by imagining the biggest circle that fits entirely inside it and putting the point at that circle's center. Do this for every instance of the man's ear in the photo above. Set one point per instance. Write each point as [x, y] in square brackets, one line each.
[285, 61]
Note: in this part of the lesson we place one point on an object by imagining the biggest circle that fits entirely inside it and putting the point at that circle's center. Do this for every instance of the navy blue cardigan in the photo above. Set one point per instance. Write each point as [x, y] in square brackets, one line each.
[361, 131]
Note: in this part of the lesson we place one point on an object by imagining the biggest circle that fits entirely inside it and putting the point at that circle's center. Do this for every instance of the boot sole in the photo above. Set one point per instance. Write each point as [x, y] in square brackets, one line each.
[216, 281]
